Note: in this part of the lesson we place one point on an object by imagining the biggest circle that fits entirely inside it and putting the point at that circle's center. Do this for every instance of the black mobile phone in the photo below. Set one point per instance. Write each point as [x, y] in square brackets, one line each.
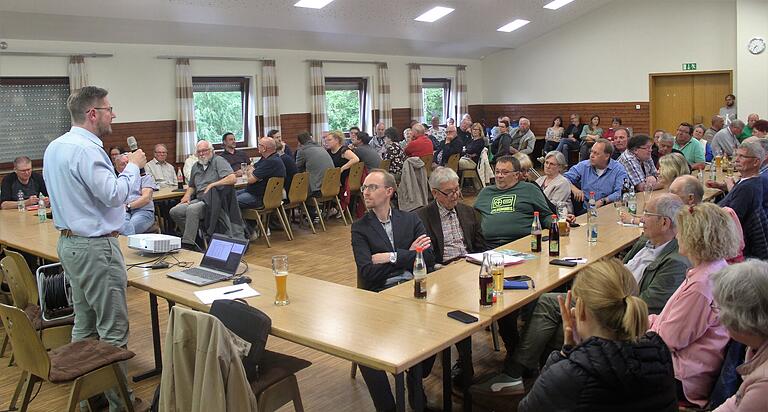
[545, 238]
[574, 224]
[561, 262]
[462, 316]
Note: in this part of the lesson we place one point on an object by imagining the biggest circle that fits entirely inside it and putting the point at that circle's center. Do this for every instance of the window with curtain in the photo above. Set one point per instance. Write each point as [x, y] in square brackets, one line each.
[33, 112]
[221, 105]
[346, 102]
[436, 98]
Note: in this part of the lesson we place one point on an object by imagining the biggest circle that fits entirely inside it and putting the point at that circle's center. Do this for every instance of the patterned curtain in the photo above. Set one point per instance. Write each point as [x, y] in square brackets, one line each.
[385, 107]
[78, 76]
[269, 93]
[417, 111]
[319, 122]
[186, 137]
[461, 92]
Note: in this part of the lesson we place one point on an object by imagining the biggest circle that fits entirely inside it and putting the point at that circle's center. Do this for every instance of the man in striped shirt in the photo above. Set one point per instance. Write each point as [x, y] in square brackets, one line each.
[638, 163]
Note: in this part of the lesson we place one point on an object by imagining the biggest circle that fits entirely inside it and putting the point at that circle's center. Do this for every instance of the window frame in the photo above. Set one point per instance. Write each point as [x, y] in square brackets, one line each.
[245, 97]
[435, 83]
[37, 81]
[362, 88]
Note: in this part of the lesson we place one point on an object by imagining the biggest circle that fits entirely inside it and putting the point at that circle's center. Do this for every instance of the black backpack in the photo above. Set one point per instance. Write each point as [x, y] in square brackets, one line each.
[250, 324]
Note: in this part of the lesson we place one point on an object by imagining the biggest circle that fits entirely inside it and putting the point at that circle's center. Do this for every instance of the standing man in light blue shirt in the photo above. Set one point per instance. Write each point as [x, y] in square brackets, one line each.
[599, 174]
[88, 203]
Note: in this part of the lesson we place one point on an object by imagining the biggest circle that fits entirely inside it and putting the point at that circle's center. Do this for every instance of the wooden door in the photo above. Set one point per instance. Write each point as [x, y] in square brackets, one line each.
[672, 101]
[709, 93]
[687, 97]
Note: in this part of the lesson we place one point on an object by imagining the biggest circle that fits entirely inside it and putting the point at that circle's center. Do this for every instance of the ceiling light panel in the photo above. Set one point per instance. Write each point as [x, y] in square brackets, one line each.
[556, 4]
[434, 14]
[512, 26]
[312, 4]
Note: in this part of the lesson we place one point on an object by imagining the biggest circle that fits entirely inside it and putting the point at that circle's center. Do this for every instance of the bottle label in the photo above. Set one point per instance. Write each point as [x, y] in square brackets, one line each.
[554, 246]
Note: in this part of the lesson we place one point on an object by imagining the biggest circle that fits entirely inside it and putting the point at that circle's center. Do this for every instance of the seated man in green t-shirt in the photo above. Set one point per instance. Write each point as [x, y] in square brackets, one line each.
[507, 207]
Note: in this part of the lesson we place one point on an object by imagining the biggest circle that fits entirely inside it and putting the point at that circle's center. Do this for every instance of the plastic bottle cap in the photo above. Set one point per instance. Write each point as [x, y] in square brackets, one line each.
[535, 213]
[419, 249]
[591, 193]
[554, 216]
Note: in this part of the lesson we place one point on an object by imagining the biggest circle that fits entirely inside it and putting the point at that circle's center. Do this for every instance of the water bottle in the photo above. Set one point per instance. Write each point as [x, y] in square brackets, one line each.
[20, 202]
[592, 209]
[592, 219]
[41, 209]
[632, 201]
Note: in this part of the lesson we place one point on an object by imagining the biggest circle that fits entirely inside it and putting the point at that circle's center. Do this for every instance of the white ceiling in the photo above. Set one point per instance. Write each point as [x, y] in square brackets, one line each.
[360, 26]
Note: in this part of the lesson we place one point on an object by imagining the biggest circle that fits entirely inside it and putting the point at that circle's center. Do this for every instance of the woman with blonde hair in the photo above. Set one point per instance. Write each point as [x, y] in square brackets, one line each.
[608, 361]
[473, 149]
[688, 323]
[671, 166]
[527, 172]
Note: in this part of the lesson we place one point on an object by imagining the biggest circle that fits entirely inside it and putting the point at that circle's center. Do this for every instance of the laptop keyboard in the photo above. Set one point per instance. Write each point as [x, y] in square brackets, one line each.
[202, 273]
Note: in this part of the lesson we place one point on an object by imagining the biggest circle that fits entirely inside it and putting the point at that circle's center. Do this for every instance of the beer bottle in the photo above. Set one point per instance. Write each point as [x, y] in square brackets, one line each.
[536, 233]
[419, 275]
[554, 238]
[486, 282]
[180, 179]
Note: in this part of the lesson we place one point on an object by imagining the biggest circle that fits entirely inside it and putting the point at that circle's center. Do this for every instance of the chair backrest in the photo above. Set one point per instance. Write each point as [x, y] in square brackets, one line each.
[427, 159]
[355, 179]
[453, 162]
[385, 164]
[273, 193]
[331, 182]
[20, 279]
[299, 190]
[28, 350]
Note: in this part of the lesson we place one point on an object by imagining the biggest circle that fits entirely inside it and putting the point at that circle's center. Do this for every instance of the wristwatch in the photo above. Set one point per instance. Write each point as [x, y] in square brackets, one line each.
[392, 257]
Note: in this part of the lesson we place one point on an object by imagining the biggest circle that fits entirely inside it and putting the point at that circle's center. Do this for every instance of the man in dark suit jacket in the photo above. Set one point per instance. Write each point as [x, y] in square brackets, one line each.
[454, 230]
[384, 243]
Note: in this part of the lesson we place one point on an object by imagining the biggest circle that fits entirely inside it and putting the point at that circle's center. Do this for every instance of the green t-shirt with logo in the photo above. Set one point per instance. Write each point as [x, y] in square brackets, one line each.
[507, 214]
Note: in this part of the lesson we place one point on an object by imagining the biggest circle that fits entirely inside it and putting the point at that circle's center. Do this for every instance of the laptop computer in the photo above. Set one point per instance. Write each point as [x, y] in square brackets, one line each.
[219, 263]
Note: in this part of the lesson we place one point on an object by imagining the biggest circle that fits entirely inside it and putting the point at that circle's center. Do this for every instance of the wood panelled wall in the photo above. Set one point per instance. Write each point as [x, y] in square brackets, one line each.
[541, 115]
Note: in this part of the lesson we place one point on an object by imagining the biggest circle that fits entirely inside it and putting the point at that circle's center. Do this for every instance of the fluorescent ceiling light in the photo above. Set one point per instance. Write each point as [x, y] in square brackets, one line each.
[312, 4]
[434, 14]
[556, 4]
[512, 26]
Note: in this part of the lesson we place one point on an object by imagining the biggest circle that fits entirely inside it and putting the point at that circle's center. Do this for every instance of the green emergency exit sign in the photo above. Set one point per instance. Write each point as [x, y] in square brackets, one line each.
[689, 66]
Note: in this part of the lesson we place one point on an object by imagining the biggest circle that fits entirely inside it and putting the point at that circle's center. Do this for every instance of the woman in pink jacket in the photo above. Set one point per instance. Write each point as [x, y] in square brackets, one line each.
[688, 324]
[741, 295]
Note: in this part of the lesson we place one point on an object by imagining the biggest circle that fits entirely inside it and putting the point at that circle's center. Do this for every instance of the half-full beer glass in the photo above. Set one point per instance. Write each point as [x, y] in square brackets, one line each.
[280, 269]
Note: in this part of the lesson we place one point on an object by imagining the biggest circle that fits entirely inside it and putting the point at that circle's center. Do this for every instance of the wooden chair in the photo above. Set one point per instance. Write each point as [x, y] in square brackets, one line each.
[427, 159]
[385, 164]
[277, 384]
[5, 297]
[354, 181]
[96, 363]
[329, 191]
[273, 202]
[297, 197]
[453, 162]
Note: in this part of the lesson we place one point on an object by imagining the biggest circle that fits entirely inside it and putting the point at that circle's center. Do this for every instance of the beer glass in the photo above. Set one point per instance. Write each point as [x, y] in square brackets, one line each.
[562, 219]
[497, 272]
[280, 269]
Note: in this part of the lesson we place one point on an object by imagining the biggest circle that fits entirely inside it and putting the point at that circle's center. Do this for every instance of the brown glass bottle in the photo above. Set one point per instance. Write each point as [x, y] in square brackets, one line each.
[554, 237]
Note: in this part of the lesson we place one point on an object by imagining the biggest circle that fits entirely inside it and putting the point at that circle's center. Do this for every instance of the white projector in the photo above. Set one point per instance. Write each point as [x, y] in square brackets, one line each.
[154, 243]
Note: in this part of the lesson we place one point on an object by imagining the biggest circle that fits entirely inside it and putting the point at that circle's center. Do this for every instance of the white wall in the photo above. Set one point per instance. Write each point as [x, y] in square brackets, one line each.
[142, 86]
[752, 81]
[608, 55]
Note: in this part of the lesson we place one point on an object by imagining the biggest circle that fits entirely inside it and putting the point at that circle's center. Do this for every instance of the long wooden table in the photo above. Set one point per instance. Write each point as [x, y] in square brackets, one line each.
[376, 330]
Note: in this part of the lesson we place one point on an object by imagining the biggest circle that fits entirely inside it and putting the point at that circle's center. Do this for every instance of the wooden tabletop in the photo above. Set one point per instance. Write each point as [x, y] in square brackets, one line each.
[456, 285]
[167, 193]
[377, 330]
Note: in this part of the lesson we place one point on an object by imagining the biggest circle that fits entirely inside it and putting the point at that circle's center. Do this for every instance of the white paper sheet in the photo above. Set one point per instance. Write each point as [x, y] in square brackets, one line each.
[235, 291]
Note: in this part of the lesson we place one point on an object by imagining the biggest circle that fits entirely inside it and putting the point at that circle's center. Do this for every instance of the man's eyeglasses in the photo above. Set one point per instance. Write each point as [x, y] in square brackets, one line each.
[647, 213]
[109, 109]
[371, 187]
[453, 192]
[744, 156]
[504, 172]
[203, 150]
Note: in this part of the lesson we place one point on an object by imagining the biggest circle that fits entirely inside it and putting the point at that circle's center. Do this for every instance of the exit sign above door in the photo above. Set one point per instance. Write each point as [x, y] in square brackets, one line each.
[689, 66]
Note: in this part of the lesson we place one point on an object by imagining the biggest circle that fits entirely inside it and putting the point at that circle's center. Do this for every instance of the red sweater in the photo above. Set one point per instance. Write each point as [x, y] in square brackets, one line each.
[420, 146]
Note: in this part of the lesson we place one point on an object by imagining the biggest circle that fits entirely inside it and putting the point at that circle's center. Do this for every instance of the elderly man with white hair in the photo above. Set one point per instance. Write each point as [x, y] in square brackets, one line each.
[208, 172]
[727, 140]
[377, 140]
[523, 139]
[741, 299]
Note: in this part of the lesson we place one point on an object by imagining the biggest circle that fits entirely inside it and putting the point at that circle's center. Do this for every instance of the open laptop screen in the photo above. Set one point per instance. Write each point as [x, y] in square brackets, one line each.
[224, 254]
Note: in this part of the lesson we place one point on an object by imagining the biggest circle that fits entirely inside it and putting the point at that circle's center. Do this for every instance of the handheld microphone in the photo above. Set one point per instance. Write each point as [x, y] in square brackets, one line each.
[133, 145]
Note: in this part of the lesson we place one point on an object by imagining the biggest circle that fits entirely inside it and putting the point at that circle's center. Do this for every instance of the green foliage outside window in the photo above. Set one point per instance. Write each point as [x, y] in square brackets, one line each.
[343, 108]
[217, 113]
[433, 104]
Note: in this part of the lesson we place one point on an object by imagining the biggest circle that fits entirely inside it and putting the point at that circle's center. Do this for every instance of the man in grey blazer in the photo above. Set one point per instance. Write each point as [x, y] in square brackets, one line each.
[653, 260]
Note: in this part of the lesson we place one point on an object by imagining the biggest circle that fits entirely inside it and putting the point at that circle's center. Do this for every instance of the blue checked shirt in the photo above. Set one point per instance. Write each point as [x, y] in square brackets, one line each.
[608, 185]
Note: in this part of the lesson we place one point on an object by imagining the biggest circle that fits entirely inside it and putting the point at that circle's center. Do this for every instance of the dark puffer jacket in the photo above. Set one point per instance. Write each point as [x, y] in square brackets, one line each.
[605, 375]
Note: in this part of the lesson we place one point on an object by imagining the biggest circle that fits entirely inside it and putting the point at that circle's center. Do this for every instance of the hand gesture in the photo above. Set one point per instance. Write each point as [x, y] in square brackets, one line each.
[184, 199]
[422, 241]
[577, 194]
[379, 258]
[31, 201]
[568, 314]
[138, 158]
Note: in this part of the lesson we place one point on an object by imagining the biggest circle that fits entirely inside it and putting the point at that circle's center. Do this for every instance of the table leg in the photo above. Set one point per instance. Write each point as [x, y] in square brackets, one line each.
[399, 392]
[466, 379]
[447, 394]
[155, 342]
[416, 373]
